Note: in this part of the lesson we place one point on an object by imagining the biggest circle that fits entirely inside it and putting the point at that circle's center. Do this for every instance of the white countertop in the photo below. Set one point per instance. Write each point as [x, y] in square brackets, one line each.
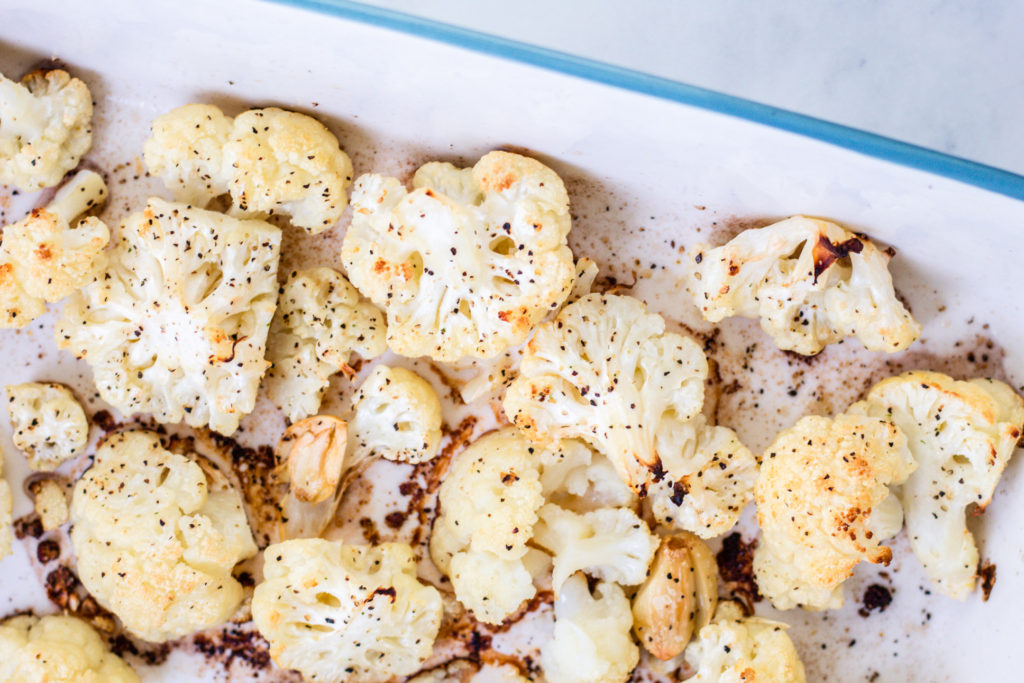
[948, 75]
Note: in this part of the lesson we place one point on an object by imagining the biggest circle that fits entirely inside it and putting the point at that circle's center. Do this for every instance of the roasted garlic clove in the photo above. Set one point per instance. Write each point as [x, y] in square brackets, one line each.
[679, 596]
[313, 451]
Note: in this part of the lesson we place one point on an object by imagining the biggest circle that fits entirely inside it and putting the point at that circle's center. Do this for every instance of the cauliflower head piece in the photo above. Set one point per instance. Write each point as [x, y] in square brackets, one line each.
[809, 281]
[962, 435]
[734, 649]
[45, 128]
[156, 537]
[824, 503]
[270, 161]
[592, 641]
[611, 544]
[58, 649]
[710, 480]
[338, 612]
[320, 322]
[176, 322]
[489, 500]
[396, 415]
[469, 261]
[49, 424]
[605, 371]
[47, 255]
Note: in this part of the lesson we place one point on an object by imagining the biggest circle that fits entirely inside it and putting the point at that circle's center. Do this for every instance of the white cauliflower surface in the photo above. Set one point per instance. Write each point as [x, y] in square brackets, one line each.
[57, 649]
[48, 255]
[962, 435]
[45, 128]
[467, 262]
[824, 503]
[338, 612]
[270, 161]
[591, 641]
[49, 424]
[734, 649]
[811, 283]
[157, 536]
[176, 322]
[320, 322]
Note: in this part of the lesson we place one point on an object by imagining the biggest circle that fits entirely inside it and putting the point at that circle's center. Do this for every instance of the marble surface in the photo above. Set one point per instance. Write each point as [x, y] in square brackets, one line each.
[943, 74]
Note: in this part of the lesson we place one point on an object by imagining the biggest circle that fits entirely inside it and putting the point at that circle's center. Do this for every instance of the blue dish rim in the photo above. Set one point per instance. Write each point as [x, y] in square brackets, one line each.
[919, 158]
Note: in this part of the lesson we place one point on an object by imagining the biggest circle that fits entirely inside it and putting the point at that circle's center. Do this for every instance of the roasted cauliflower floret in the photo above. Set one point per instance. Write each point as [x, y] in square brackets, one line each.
[734, 649]
[44, 257]
[156, 538]
[57, 649]
[468, 261]
[320, 322]
[489, 501]
[577, 478]
[45, 128]
[271, 161]
[611, 544]
[824, 504]
[711, 479]
[962, 435]
[605, 371]
[6, 512]
[809, 281]
[186, 151]
[592, 641]
[49, 424]
[176, 323]
[395, 415]
[338, 612]
[50, 502]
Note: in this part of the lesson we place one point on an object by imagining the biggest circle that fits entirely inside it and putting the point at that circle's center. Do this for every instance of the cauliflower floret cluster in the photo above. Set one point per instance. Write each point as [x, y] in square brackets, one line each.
[734, 649]
[962, 435]
[468, 261]
[320, 322]
[45, 128]
[592, 641]
[49, 424]
[395, 415]
[176, 323]
[57, 649]
[156, 538]
[338, 612]
[44, 257]
[809, 281]
[824, 504]
[494, 503]
[270, 161]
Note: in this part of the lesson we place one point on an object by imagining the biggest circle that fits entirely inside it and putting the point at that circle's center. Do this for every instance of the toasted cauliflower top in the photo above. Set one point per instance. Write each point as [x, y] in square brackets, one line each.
[810, 282]
[592, 641]
[962, 435]
[156, 538]
[57, 649]
[396, 415]
[45, 128]
[468, 261]
[320, 322]
[44, 257]
[606, 371]
[271, 161]
[49, 424]
[489, 500]
[824, 504]
[176, 323]
[710, 480]
[338, 612]
[733, 649]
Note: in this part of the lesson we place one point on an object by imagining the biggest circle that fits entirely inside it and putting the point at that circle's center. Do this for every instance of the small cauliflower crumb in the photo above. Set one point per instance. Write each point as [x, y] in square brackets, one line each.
[51, 504]
[49, 424]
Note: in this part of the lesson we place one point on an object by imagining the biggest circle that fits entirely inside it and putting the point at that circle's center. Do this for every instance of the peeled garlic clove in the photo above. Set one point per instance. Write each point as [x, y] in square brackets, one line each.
[678, 597]
[314, 450]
